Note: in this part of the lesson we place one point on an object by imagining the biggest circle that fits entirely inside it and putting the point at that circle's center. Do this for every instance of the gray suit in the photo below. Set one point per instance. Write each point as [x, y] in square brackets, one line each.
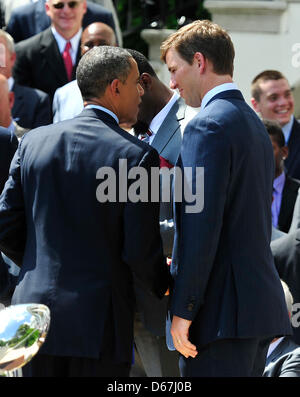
[296, 215]
[150, 331]
[284, 361]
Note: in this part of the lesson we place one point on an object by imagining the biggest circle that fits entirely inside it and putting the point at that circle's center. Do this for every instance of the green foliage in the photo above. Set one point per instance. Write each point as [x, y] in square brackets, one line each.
[130, 15]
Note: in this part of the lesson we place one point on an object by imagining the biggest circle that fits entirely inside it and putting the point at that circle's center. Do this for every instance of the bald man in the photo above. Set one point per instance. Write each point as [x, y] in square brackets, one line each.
[67, 102]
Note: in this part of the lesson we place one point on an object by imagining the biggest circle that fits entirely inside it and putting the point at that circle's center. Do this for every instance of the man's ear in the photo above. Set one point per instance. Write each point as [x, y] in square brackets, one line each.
[255, 105]
[115, 87]
[200, 60]
[146, 81]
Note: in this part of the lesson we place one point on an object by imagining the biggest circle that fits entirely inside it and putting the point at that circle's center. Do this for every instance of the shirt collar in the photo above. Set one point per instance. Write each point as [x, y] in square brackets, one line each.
[159, 118]
[273, 345]
[61, 41]
[92, 106]
[287, 128]
[10, 82]
[216, 90]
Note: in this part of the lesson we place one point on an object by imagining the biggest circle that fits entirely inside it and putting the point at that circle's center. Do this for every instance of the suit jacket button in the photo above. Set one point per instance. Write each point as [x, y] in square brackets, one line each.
[190, 307]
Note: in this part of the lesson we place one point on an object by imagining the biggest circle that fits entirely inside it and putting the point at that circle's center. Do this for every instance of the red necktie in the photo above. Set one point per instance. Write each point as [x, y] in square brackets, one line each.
[163, 162]
[68, 60]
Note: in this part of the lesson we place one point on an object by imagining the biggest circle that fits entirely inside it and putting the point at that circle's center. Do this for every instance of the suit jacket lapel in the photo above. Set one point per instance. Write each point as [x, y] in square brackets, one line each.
[49, 49]
[288, 201]
[293, 143]
[169, 127]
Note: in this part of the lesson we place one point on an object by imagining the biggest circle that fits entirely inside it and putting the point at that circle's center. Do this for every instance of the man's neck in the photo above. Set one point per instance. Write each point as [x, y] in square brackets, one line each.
[213, 82]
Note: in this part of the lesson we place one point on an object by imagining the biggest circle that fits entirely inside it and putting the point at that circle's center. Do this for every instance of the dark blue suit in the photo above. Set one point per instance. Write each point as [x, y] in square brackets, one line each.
[292, 163]
[8, 146]
[77, 255]
[225, 278]
[30, 19]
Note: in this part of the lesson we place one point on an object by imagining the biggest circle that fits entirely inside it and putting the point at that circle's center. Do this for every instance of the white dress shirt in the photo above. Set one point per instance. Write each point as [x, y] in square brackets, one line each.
[216, 90]
[61, 42]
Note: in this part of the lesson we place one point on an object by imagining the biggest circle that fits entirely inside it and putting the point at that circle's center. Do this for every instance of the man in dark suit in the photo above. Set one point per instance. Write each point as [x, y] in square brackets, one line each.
[31, 19]
[285, 188]
[222, 263]
[286, 253]
[164, 114]
[31, 107]
[48, 60]
[273, 99]
[283, 359]
[80, 237]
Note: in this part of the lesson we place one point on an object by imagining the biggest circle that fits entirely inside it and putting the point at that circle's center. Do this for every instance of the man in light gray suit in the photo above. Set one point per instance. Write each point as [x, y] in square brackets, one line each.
[296, 215]
[161, 121]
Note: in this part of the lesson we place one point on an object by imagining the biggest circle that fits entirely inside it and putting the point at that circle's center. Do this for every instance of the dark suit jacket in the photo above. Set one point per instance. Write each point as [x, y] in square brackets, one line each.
[222, 263]
[78, 255]
[286, 252]
[8, 146]
[32, 107]
[167, 142]
[284, 361]
[31, 19]
[40, 65]
[292, 163]
[289, 195]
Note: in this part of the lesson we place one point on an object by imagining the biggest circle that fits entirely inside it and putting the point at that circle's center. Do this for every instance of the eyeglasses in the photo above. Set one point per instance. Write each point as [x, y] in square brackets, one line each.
[71, 4]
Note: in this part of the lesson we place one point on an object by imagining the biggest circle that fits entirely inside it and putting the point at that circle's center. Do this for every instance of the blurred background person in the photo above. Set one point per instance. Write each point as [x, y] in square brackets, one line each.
[67, 101]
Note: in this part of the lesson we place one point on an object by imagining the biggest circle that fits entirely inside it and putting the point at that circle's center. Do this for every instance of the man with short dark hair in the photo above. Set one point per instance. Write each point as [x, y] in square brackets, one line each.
[285, 188]
[222, 264]
[78, 247]
[272, 98]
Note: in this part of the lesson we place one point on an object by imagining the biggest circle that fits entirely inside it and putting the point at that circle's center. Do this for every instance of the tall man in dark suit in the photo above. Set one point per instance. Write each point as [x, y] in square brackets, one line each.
[285, 188]
[31, 107]
[31, 19]
[163, 114]
[48, 60]
[80, 237]
[222, 263]
[272, 98]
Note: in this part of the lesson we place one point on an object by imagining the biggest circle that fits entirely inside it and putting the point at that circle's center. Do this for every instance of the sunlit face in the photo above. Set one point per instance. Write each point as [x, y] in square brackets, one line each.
[67, 21]
[7, 59]
[184, 77]
[93, 37]
[130, 96]
[276, 101]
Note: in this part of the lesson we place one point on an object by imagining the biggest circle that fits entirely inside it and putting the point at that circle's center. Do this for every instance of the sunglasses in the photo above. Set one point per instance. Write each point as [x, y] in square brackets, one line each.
[71, 4]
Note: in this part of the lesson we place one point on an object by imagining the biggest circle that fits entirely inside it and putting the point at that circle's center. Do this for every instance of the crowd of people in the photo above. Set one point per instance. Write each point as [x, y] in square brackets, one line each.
[139, 286]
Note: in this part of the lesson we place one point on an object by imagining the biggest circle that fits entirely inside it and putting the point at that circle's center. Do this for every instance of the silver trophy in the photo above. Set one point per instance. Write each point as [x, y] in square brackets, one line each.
[23, 329]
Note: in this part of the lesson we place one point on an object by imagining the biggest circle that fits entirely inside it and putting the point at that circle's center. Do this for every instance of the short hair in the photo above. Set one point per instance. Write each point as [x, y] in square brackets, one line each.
[142, 62]
[264, 76]
[205, 37]
[274, 130]
[288, 297]
[9, 40]
[99, 67]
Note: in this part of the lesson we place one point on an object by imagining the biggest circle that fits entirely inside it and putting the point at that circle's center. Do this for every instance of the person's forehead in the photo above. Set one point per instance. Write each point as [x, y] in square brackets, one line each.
[274, 86]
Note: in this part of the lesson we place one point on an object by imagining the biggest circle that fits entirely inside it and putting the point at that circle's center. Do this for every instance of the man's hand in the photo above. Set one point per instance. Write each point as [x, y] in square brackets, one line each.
[180, 333]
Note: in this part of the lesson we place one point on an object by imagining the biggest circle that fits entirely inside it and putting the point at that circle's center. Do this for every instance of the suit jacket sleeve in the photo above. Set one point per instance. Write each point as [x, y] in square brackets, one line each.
[197, 234]
[43, 112]
[12, 214]
[22, 69]
[142, 242]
